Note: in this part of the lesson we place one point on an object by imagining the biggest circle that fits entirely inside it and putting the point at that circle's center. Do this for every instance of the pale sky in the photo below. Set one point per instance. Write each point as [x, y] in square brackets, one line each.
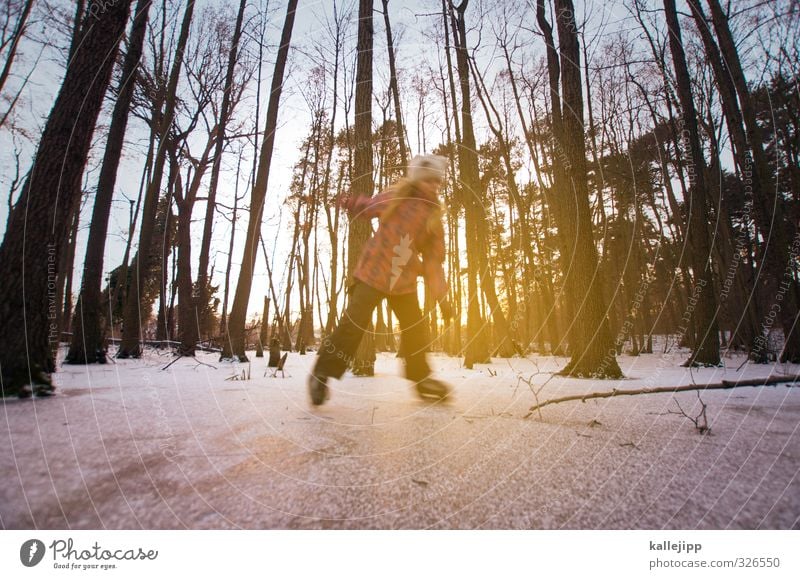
[416, 49]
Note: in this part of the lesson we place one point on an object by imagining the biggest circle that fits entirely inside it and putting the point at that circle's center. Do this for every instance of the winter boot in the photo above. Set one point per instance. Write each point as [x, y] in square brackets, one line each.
[432, 389]
[318, 388]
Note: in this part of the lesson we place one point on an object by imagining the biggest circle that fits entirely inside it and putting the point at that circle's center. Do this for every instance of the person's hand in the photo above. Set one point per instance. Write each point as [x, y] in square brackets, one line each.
[447, 310]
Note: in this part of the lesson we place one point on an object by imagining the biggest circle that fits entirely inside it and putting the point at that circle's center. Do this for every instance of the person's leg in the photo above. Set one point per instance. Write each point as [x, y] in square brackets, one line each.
[338, 349]
[415, 339]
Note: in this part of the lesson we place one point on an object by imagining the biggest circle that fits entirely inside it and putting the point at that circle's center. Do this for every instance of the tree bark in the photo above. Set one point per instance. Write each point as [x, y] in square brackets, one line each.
[704, 318]
[188, 321]
[38, 227]
[591, 346]
[749, 173]
[66, 268]
[362, 179]
[780, 288]
[88, 343]
[401, 138]
[19, 32]
[234, 344]
[135, 314]
[203, 289]
[558, 178]
[472, 196]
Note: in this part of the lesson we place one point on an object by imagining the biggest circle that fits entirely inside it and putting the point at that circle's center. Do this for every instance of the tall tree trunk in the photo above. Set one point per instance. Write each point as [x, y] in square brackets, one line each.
[591, 346]
[223, 319]
[748, 323]
[131, 346]
[66, 270]
[780, 289]
[88, 344]
[455, 283]
[38, 227]
[472, 197]
[362, 179]
[19, 32]
[704, 318]
[203, 291]
[476, 212]
[332, 215]
[263, 336]
[401, 137]
[526, 242]
[77, 23]
[234, 343]
[164, 316]
[188, 321]
[558, 179]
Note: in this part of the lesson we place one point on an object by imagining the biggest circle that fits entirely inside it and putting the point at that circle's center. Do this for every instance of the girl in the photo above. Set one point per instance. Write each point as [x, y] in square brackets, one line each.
[410, 228]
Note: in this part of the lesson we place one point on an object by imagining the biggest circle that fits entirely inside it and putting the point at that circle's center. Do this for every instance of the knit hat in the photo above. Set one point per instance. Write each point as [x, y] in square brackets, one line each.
[424, 167]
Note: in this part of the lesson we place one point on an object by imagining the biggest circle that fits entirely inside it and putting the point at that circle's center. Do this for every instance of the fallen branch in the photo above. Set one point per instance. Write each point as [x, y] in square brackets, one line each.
[170, 344]
[178, 357]
[724, 385]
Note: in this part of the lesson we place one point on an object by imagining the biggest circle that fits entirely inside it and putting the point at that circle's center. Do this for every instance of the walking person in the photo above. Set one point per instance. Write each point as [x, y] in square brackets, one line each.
[409, 242]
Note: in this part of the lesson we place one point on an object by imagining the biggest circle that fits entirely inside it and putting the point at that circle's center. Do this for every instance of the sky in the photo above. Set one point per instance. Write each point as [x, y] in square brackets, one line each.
[411, 22]
[47, 70]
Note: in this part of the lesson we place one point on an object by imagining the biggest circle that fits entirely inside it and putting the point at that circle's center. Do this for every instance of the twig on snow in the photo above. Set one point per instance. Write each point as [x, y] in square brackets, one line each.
[724, 385]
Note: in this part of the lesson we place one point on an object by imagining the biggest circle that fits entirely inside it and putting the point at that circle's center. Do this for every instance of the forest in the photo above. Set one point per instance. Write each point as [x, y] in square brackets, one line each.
[623, 176]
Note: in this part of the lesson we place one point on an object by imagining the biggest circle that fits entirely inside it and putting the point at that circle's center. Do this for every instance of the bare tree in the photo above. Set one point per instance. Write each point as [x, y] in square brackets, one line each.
[706, 333]
[131, 346]
[471, 194]
[235, 331]
[38, 227]
[10, 43]
[203, 289]
[401, 139]
[591, 346]
[87, 345]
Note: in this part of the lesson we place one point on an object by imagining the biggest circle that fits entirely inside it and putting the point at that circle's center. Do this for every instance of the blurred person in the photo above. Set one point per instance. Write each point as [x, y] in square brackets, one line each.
[409, 242]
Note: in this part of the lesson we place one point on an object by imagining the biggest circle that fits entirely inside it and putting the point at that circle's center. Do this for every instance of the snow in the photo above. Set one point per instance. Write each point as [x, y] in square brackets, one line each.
[129, 445]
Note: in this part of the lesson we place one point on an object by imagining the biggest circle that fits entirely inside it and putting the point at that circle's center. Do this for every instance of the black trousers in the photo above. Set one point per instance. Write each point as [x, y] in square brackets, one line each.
[337, 350]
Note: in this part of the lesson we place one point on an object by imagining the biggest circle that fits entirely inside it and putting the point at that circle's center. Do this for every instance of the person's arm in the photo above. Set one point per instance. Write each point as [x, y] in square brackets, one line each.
[433, 270]
[362, 207]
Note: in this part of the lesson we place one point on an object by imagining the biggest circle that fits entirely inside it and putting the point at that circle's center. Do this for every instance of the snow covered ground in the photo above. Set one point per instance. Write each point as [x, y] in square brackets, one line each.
[129, 445]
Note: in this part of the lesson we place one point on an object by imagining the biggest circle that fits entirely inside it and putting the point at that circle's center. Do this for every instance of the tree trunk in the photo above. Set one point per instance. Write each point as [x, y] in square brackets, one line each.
[188, 328]
[362, 179]
[77, 23]
[591, 346]
[19, 32]
[558, 178]
[88, 344]
[223, 319]
[734, 123]
[706, 344]
[507, 345]
[472, 198]
[38, 228]
[203, 289]
[263, 336]
[131, 346]
[65, 274]
[780, 289]
[234, 343]
[401, 137]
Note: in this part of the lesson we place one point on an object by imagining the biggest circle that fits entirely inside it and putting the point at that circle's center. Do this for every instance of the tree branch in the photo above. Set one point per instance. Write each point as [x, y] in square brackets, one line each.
[724, 385]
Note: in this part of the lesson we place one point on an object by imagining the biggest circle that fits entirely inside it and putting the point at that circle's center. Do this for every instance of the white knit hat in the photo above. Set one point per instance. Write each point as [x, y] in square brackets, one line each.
[427, 166]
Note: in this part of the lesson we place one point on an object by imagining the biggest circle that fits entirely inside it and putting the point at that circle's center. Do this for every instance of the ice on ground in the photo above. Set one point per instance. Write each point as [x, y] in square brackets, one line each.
[129, 445]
